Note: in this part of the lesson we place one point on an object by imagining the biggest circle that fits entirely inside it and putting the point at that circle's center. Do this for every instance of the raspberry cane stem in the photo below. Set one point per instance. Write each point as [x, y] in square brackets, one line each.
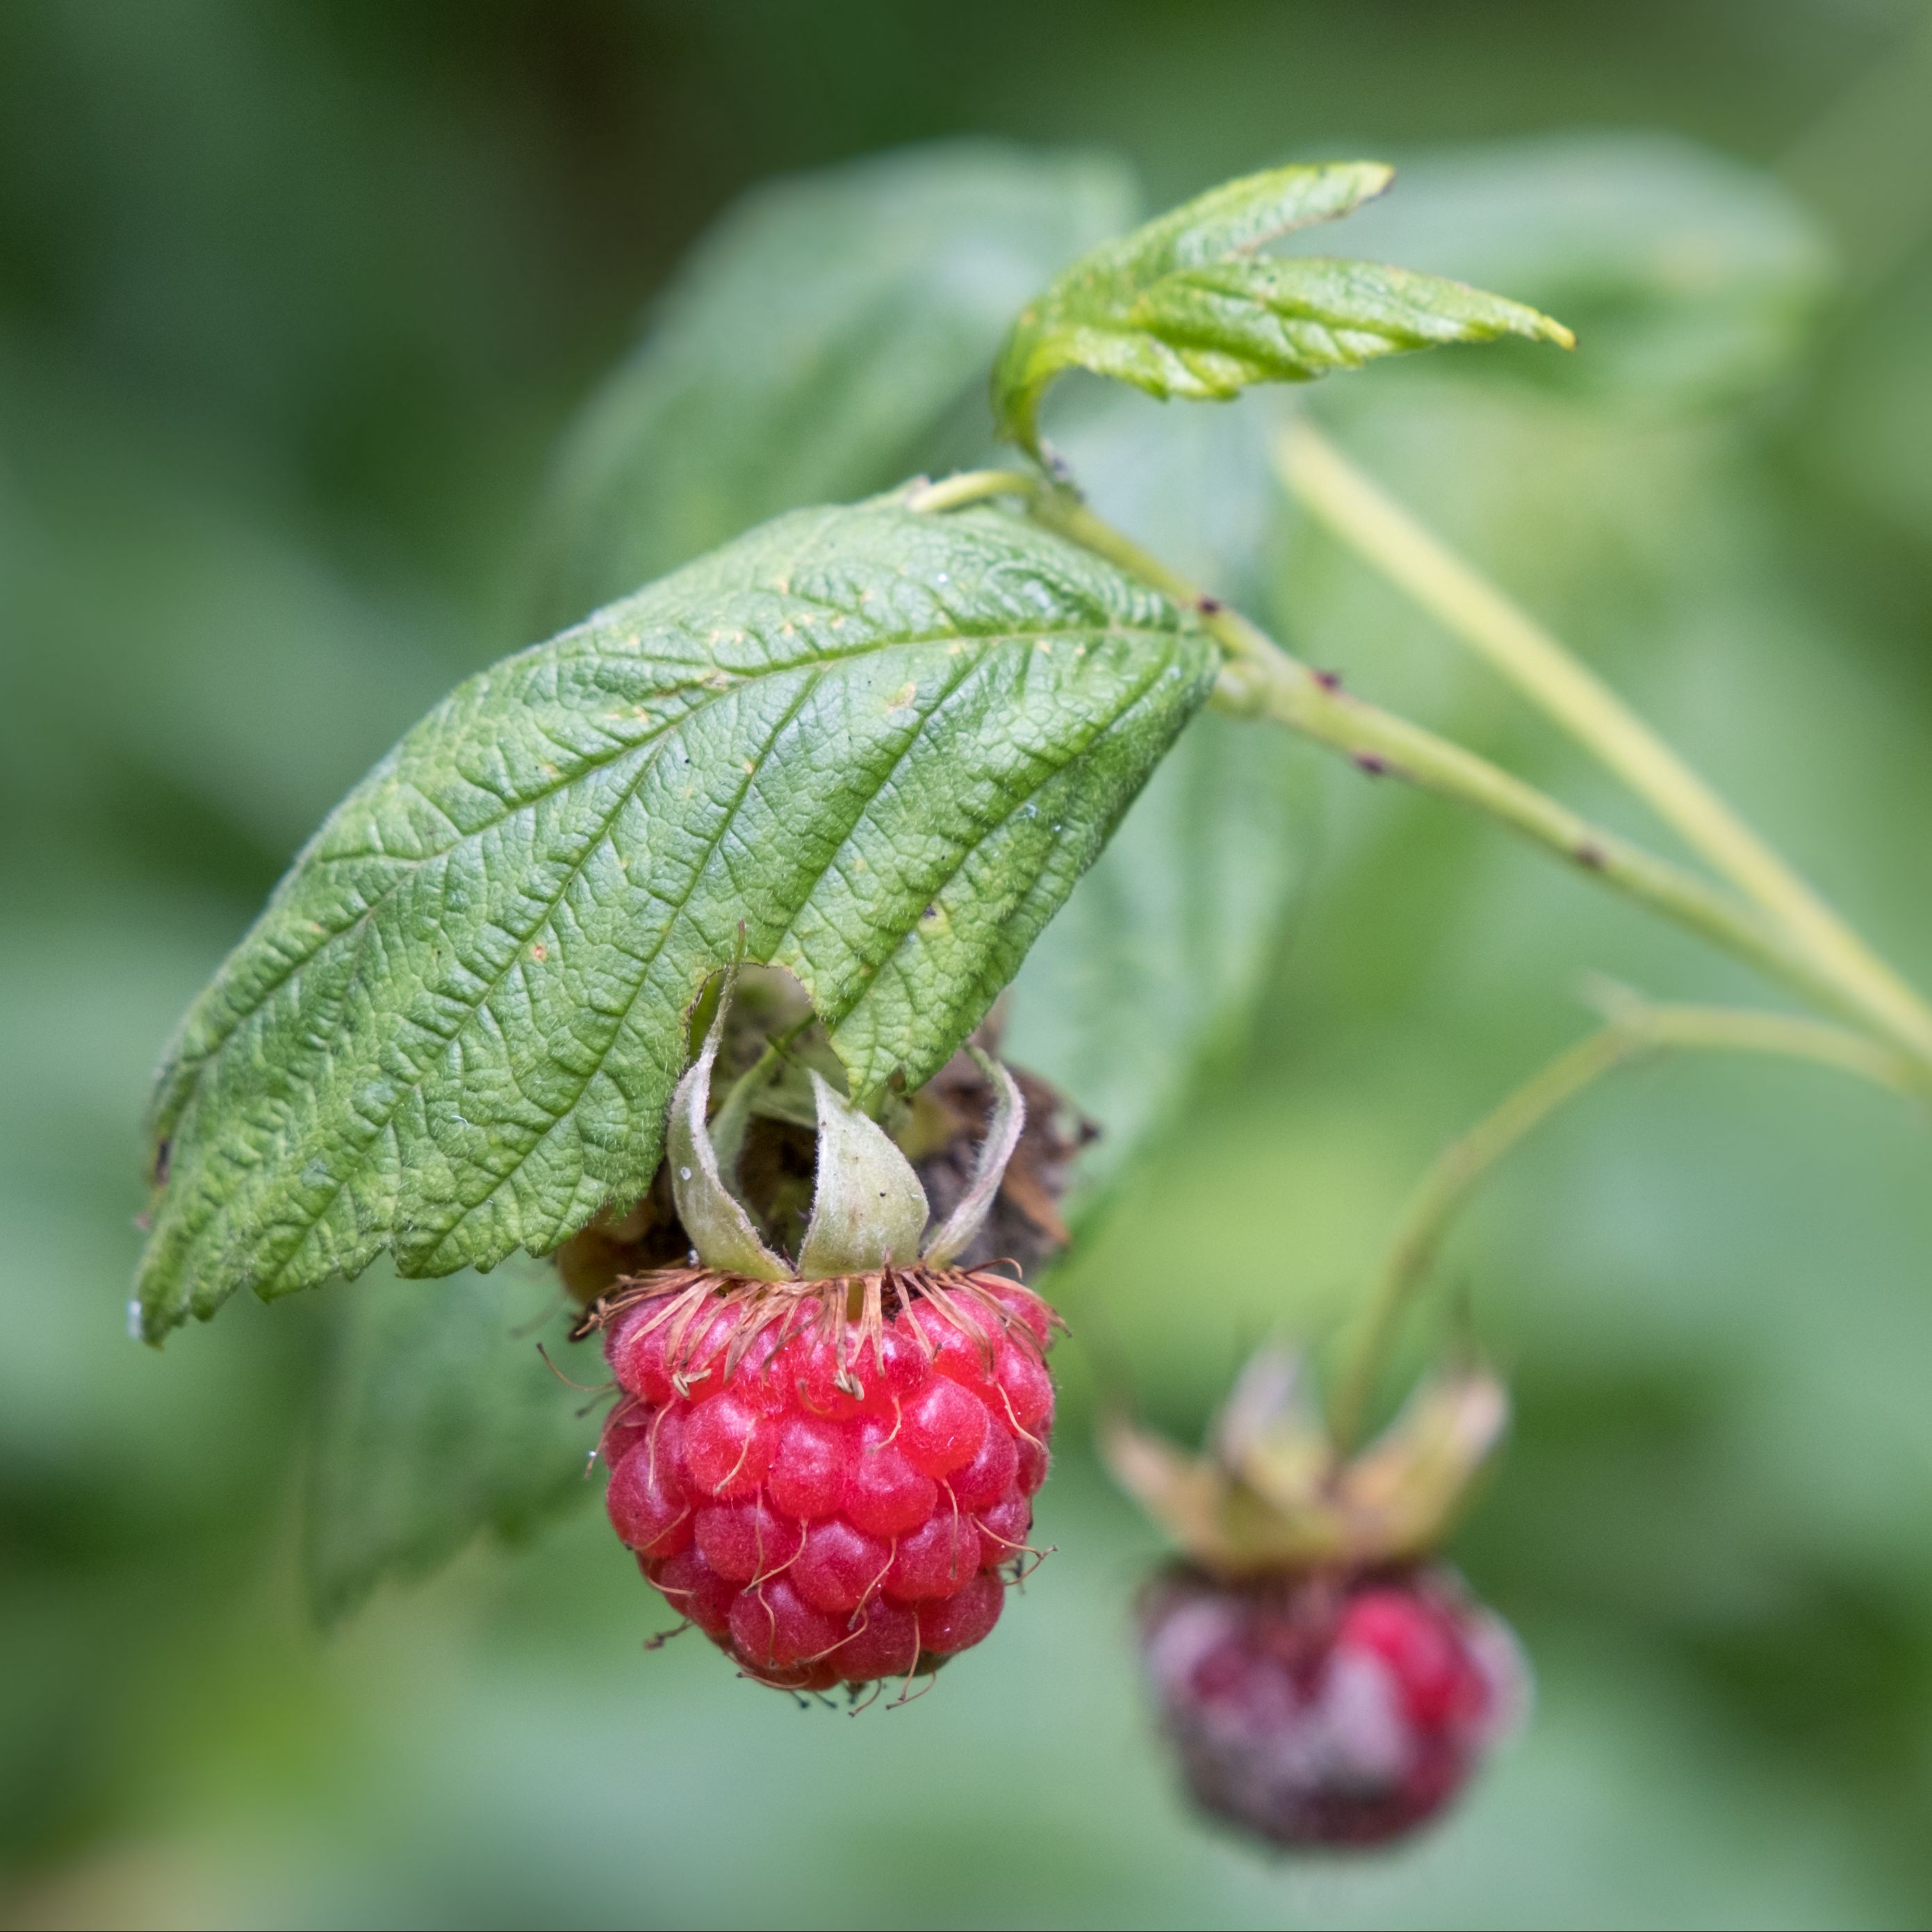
[1635, 1030]
[1498, 630]
[1261, 681]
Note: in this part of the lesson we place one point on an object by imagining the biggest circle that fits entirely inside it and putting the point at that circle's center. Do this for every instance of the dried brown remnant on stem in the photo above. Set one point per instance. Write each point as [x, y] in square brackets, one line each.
[1025, 1225]
[940, 1129]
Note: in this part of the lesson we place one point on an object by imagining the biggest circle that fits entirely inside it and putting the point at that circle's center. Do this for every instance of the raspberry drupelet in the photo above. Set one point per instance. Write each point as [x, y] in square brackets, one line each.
[1323, 1711]
[830, 1497]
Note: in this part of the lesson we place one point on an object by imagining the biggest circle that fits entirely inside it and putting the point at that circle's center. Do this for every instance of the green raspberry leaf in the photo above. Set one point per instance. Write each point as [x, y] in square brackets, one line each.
[438, 1418]
[1184, 307]
[884, 745]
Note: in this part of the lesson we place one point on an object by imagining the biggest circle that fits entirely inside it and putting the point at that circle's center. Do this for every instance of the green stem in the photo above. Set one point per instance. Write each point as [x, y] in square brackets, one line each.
[973, 486]
[1272, 685]
[1500, 631]
[1635, 1030]
[1803, 944]
[1262, 680]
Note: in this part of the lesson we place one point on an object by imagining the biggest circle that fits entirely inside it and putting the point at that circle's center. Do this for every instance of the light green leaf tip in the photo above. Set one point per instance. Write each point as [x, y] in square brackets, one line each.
[884, 745]
[1184, 307]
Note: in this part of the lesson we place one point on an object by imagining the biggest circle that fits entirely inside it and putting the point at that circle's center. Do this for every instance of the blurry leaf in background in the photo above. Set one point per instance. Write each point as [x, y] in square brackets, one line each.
[1155, 964]
[1689, 278]
[1152, 973]
[119, 1486]
[440, 1417]
[1868, 429]
[233, 678]
[815, 349]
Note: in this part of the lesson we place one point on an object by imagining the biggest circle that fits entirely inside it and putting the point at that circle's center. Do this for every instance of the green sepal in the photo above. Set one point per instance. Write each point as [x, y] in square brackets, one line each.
[713, 1216]
[868, 1208]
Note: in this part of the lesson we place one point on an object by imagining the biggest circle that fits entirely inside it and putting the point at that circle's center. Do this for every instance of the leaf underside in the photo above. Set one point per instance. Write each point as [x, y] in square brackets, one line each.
[887, 744]
[1183, 306]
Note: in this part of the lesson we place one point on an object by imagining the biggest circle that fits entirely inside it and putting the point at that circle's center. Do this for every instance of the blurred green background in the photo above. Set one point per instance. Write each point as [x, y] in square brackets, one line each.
[296, 298]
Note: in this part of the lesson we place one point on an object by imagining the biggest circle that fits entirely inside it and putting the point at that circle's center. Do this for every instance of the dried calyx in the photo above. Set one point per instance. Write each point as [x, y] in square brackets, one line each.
[867, 1254]
[765, 1139]
[1269, 1497]
[868, 1211]
[1322, 1681]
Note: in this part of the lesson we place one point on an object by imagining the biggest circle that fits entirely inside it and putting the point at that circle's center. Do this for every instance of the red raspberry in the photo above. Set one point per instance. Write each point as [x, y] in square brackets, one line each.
[939, 1558]
[743, 1540]
[1003, 1530]
[1327, 1712]
[885, 1496]
[959, 1622]
[728, 1445]
[629, 1422]
[831, 1500]
[807, 1478]
[884, 1644]
[991, 1475]
[942, 1426]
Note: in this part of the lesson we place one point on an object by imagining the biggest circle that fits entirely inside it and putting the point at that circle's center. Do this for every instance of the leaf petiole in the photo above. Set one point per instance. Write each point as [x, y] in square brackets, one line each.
[973, 486]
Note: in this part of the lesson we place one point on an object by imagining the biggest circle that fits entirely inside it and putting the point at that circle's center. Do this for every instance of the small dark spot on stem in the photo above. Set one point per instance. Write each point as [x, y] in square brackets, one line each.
[1208, 606]
[1329, 680]
[1367, 761]
[1592, 855]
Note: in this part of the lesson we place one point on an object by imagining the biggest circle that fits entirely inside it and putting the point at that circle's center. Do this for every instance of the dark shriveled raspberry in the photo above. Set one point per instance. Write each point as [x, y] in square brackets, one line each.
[832, 1480]
[1321, 1712]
